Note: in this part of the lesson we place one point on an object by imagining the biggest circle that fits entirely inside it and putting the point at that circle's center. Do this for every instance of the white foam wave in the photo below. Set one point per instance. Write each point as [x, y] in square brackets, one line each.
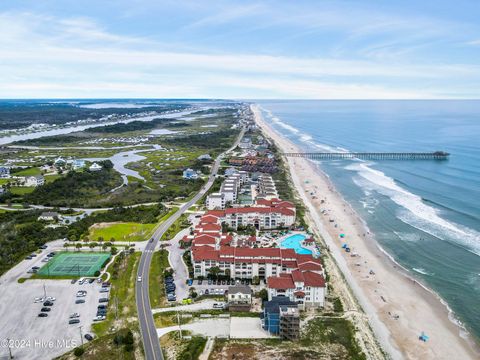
[417, 213]
[422, 271]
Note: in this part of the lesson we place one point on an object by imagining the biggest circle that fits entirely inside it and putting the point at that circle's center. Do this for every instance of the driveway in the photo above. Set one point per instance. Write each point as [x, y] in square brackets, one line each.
[205, 327]
[175, 258]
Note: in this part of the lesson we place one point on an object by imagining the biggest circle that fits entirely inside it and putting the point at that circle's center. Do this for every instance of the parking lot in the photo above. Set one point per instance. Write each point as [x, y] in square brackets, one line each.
[33, 337]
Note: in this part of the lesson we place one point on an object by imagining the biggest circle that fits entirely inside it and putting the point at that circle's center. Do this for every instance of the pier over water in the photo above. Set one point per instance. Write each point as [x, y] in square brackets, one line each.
[437, 155]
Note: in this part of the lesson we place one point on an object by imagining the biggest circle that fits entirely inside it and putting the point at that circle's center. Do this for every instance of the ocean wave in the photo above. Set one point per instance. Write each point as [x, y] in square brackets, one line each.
[417, 214]
[422, 271]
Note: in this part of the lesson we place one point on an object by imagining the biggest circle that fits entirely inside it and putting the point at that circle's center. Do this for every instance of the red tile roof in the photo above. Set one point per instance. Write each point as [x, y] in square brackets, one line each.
[310, 266]
[282, 283]
[209, 227]
[204, 253]
[209, 218]
[299, 294]
[313, 279]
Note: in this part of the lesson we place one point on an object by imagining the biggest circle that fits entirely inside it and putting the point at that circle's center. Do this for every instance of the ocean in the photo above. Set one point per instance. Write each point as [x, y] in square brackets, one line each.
[425, 214]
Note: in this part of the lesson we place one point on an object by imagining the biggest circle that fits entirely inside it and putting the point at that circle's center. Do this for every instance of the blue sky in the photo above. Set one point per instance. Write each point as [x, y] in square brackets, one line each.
[240, 49]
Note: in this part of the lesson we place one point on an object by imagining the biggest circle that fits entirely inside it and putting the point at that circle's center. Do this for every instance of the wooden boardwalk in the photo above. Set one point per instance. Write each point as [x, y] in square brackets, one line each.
[437, 155]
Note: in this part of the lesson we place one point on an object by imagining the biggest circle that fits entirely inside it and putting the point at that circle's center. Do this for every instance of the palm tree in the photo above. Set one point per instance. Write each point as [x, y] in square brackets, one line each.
[214, 271]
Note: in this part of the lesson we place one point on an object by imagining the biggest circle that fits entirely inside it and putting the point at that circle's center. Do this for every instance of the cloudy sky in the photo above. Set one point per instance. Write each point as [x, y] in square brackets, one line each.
[240, 49]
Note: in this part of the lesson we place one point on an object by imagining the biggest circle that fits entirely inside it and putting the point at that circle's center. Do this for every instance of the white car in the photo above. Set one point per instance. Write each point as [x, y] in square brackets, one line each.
[74, 315]
[39, 299]
[139, 278]
[99, 318]
[50, 298]
[81, 293]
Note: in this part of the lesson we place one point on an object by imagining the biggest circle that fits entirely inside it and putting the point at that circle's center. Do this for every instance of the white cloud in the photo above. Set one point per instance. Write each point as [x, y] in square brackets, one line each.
[43, 56]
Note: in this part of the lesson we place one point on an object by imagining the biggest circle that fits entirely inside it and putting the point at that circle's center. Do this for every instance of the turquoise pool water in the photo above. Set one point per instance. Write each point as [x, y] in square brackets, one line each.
[294, 242]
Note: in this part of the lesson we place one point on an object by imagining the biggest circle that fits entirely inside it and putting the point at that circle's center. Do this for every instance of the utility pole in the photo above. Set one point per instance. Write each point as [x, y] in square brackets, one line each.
[81, 335]
[9, 349]
[44, 291]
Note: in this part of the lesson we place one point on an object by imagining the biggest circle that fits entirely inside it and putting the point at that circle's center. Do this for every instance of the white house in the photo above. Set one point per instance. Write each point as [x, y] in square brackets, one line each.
[190, 174]
[205, 157]
[215, 201]
[78, 164]
[60, 162]
[239, 297]
[306, 288]
[49, 216]
[95, 167]
[34, 180]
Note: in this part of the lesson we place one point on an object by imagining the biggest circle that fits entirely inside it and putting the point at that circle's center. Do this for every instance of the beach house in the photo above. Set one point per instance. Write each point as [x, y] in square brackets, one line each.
[4, 172]
[34, 181]
[78, 164]
[95, 167]
[190, 174]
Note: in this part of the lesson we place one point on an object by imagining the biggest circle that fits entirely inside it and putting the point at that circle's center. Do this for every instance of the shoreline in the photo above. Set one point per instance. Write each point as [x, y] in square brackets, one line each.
[398, 306]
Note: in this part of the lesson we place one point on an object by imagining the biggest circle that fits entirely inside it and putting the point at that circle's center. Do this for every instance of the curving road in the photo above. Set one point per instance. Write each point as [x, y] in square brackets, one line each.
[151, 344]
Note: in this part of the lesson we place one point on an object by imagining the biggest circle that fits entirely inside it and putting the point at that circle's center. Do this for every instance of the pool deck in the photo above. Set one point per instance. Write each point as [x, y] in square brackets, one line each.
[312, 248]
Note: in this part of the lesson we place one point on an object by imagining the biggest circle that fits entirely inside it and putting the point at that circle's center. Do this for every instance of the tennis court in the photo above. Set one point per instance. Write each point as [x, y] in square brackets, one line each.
[74, 264]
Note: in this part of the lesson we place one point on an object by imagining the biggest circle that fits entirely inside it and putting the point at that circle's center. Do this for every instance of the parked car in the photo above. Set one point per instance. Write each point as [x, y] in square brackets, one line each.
[189, 282]
[207, 292]
[73, 321]
[102, 306]
[103, 300]
[79, 301]
[33, 255]
[48, 303]
[73, 281]
[45, 309]
[81, 281]
[74, 315]
[39, 299]
[42, 314]
[104, 290]
[99, 280]
[200, 282]
[90, 281]
[35, 267]
[209, 281]
[139, 278]
[218, 305]
[99, 318]
[88, 337]
[28, 257]
[50, 298]
[43, 247]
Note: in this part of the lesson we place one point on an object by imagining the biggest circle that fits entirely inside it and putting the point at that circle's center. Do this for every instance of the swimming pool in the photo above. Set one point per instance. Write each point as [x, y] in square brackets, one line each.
[294, 242]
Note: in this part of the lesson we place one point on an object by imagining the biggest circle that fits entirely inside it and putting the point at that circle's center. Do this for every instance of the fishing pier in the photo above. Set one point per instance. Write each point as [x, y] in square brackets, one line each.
[437, 155]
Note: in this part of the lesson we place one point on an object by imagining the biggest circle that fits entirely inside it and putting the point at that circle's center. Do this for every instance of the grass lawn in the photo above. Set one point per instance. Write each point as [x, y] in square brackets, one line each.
[4, 181]
[123, 279]
[181, 223]
[122, 231]
[156, 283]
[28, 172]
[21, 190]
[52, 178]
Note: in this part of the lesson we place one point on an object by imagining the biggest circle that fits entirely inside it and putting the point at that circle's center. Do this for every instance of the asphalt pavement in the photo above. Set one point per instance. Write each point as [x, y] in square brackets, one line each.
[151, 343]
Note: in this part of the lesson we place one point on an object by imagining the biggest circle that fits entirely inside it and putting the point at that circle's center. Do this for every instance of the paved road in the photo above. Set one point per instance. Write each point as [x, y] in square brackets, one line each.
[151, 344]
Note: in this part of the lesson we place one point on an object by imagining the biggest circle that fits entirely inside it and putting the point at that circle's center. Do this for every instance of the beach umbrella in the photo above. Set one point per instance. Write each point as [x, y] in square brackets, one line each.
[342, 235]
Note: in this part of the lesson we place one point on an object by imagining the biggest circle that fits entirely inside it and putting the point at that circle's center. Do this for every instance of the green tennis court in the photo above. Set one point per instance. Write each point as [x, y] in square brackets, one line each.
[74, 264]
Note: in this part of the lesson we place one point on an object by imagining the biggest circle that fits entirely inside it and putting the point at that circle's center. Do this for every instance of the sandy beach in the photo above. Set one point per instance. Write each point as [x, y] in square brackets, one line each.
[398, 308]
